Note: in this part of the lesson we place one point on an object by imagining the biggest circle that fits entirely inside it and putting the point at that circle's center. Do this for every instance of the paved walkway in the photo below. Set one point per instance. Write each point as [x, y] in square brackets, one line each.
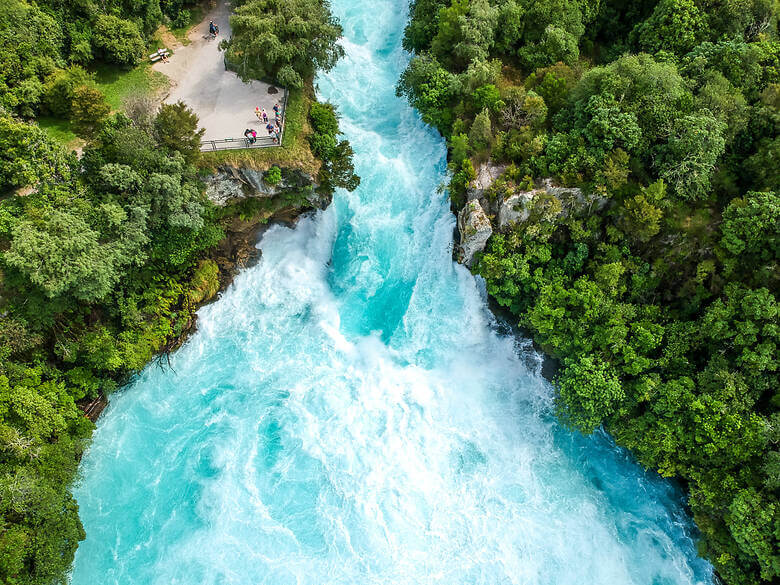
[225, 105]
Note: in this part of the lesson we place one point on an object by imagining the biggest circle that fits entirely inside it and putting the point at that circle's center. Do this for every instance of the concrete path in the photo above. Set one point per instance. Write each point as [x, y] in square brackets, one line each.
[225, 105]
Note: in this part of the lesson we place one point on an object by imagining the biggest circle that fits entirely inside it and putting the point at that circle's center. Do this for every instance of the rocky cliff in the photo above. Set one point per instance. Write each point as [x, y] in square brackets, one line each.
[248, 204]
[230, 185]
[496, 203]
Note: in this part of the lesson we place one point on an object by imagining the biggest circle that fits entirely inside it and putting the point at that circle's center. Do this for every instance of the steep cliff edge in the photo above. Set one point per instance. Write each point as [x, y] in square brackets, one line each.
[248, 203]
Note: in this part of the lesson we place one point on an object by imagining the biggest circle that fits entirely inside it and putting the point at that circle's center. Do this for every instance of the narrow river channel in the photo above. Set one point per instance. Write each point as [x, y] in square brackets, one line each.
[349, 414]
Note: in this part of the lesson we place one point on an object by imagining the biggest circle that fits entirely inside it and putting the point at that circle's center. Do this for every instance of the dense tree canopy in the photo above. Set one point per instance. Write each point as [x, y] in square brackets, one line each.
[39, 39]
[283, 41]
[96, 248]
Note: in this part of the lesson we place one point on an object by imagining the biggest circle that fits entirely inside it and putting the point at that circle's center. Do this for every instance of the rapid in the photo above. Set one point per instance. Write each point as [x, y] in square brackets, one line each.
[350, 412]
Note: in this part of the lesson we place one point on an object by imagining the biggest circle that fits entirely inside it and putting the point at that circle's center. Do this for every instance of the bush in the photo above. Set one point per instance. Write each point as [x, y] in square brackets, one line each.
[30, 48]
[205, 282]
[273, 176]
[337, 168]
[430, 89]
[28, 156]
[323, 145]
[183, 19]
[88, 110]
[142, 109]
[459, 145]
[589, 391]
[60, 87]
[481, 135]
[488, 97]
[118, 41]
[177, 128]
[323, 118]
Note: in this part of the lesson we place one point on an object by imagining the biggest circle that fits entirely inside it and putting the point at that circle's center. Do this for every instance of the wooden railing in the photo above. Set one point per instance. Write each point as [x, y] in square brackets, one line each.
[238, 143]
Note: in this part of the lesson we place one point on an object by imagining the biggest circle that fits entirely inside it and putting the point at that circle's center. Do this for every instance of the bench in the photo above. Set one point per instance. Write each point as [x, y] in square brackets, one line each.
[159, 55]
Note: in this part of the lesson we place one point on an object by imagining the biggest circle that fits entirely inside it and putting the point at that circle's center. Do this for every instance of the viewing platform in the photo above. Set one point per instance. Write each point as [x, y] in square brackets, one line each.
[225, 105]
[262, 141]
[237, 143]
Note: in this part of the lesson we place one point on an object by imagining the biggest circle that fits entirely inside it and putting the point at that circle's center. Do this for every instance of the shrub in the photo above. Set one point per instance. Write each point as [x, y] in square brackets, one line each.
[28, 156]
[459, 145]
[60, 87]
[205, 282]
[324, 119]
[481, 135]
[142, 109]
[88, 110]
[337, 169]
[273, 176]
[322, 145]
[488, 97]
[182, 19]
[589, 390]
[118, 41]
[177, 128]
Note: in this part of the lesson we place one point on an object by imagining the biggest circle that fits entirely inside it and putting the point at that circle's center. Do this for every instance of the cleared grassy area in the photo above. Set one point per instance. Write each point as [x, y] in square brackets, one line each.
[61, 131]
[295, 152]
[117, 84]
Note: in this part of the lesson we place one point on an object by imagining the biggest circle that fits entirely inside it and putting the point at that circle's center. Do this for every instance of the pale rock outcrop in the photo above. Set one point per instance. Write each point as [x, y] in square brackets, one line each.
[229, 184]
[475, 230]
[487, 173]
[517, 208]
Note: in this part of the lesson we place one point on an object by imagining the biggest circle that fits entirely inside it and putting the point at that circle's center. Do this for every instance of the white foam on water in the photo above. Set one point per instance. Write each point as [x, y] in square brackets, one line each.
[348, 414]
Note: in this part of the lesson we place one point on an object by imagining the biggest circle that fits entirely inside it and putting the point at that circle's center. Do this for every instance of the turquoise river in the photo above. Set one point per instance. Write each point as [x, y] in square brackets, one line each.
[350, 413]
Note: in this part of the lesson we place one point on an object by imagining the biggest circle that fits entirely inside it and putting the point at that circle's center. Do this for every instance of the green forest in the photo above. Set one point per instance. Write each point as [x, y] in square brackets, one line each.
[661, 308]
[104, 253]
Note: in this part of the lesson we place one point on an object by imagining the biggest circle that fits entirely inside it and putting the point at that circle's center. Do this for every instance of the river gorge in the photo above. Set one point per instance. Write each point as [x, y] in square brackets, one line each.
[349, 411]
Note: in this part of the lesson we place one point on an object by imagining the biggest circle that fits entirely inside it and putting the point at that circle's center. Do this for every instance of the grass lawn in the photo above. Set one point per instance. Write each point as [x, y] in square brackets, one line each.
[295, 151]
[117, 84]
[61, 131]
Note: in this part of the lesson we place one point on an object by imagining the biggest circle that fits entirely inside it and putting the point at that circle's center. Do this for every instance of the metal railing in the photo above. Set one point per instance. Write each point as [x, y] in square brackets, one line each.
[239, 143]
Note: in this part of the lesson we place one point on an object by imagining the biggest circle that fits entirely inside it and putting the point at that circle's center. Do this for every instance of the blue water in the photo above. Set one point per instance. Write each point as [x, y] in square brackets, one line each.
[348, 414]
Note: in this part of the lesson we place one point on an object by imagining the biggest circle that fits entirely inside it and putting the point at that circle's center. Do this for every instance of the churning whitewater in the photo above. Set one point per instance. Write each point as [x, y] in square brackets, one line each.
[348, 414]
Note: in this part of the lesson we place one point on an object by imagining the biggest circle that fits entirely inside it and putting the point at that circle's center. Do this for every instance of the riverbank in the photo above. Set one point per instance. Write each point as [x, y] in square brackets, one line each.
[247, 207]
[606, 196]
[106, 254]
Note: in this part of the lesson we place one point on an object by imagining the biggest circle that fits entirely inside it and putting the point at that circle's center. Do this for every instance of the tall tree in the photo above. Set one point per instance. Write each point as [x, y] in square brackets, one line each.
[283, 40]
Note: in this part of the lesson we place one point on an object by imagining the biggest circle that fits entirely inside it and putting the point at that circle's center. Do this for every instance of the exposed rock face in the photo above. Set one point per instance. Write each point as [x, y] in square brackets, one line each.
[295, 194]
[507, 207]
[517, 208]
[475, 230]
[230, 184]
[487, 173]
